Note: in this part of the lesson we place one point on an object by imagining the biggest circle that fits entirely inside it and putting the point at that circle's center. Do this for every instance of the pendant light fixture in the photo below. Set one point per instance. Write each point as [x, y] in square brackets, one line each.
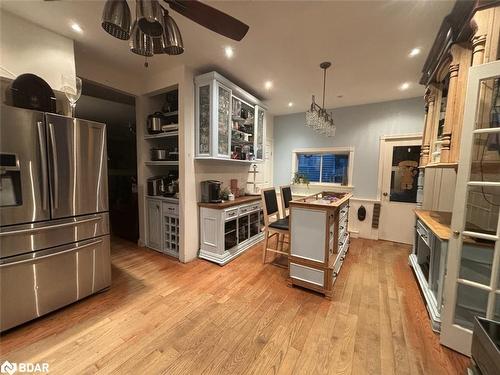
[154, 31]
[149, 17]
[171, 40]
[173, 37]
[317, 117]
[140, 43]
[116, 19]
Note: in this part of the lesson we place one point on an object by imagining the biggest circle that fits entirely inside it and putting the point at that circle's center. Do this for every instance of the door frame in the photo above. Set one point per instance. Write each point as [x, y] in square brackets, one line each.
[453, 335]
[382, 151]
[384, 144]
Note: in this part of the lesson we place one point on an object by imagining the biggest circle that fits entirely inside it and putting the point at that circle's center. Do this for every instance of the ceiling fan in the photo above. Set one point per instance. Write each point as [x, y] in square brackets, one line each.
[154, 31]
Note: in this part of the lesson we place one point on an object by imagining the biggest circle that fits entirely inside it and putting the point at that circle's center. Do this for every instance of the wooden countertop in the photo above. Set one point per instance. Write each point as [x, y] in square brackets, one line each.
[315, 200]
[438, 222]
[226, 204]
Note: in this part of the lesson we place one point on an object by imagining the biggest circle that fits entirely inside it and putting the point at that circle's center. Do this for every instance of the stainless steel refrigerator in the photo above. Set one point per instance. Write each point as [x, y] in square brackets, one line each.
[54, 223]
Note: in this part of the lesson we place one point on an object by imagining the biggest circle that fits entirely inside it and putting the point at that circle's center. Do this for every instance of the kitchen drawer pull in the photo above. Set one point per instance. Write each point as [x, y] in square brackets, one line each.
[51, 255]
[56, 226]
[335, 274]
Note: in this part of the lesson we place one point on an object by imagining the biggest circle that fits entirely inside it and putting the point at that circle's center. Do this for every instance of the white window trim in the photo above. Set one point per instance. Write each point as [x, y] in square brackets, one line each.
[326, 150]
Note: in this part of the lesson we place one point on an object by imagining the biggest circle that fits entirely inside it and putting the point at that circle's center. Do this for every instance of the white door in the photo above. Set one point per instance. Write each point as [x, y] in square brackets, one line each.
[398, 174]
[263, 172]
[268, 163]
[472, 280]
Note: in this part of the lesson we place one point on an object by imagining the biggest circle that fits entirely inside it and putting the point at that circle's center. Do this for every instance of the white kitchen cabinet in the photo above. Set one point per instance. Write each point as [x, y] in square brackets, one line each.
[163, 225]
[154, 224]
[230, 123]
[428, 260]
[227, 232]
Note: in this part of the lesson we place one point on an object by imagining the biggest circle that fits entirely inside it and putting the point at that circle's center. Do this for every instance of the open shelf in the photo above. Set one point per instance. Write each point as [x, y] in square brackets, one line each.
[162, 162]
[162, 135]
[173, 113]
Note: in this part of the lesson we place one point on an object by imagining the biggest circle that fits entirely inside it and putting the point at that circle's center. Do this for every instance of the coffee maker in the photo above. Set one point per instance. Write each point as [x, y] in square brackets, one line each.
[210, 191]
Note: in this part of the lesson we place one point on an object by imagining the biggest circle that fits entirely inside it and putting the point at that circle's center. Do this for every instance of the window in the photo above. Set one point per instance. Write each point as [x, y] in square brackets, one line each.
[324, 166]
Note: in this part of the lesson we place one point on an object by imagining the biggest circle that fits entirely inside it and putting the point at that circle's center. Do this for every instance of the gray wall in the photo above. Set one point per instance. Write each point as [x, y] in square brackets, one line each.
[359, 126]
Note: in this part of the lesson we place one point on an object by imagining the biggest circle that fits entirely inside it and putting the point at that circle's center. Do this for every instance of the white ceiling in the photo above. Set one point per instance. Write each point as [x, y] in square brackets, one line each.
[367, 41]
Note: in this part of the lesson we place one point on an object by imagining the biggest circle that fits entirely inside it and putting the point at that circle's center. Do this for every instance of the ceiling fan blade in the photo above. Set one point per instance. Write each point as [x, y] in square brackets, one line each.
[210, 18]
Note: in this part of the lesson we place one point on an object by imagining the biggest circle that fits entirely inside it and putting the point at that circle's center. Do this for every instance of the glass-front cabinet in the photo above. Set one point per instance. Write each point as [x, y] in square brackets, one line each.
[230, 123]
[472, 286]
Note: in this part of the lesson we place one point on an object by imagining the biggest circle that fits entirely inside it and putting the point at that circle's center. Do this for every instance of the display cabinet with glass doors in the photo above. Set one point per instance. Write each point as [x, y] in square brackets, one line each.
[472, 285]
[469, 36]
[230, 122]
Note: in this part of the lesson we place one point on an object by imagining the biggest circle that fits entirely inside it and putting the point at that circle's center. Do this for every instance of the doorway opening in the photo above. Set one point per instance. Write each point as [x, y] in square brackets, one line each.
[117, 110]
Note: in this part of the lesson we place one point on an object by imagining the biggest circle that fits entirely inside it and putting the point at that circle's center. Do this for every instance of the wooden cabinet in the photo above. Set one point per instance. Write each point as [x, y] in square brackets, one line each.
[227, 232]
[319, 243]
[230, 123]
[163, 225]
[468, 36]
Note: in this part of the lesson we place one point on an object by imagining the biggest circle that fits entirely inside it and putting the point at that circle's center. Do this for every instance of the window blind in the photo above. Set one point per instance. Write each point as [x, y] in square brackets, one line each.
[327, 168]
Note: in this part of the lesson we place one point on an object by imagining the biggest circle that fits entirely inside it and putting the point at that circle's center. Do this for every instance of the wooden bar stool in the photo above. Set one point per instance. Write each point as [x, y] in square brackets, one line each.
[273, 224]
[286, 197]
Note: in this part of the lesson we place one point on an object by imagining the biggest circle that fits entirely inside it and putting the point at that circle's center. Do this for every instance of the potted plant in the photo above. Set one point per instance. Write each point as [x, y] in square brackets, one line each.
[300, 179]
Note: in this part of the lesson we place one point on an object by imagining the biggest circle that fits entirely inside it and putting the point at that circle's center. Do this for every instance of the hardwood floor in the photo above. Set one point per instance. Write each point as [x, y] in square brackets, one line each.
[161, 316]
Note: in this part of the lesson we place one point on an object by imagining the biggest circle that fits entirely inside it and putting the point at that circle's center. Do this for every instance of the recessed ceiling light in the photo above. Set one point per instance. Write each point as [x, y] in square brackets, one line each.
[290, 104]
[229, 52]
[404, 86]
[268, 85]
[414, 52]
[76, 27]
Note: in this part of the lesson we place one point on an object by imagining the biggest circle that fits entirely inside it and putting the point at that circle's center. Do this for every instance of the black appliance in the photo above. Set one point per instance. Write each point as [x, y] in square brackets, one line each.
[210, 191]
[32, 92]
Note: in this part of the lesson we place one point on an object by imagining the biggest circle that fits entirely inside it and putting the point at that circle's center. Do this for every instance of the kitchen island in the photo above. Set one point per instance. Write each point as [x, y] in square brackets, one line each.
[319, 240]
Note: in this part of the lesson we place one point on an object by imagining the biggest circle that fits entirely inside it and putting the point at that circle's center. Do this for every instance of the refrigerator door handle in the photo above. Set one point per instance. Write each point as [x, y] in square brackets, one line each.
[55, 187]
[56, 226]
[43, 161]
[31, 259]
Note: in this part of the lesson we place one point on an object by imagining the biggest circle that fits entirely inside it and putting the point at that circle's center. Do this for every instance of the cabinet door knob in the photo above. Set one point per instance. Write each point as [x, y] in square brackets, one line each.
[385, 194]
[456, 233]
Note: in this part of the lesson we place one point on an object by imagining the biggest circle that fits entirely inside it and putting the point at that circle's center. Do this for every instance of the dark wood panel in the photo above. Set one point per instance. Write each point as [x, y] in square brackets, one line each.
[226, 204]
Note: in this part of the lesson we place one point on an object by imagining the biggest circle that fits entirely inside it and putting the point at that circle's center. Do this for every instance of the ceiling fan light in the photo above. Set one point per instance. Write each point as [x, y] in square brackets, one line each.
[140, 43]
[116, 19]
[172, 37]
[150, 17]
